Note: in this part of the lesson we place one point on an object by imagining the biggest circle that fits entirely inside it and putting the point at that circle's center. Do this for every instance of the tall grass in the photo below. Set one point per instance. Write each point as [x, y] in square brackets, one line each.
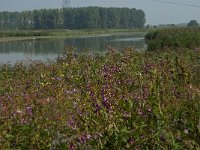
[128, 100]
[173, 38]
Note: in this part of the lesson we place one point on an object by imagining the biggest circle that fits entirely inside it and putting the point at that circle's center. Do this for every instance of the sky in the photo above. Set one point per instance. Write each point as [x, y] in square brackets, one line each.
[156, 11]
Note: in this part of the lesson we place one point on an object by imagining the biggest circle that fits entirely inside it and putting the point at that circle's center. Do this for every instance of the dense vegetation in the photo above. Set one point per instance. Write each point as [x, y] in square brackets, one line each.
[73, 18]
[173, 38]
[193, 23]
[129, 100]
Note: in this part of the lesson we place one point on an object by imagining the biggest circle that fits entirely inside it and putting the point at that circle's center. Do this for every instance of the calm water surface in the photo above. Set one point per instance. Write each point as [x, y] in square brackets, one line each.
[50, 49]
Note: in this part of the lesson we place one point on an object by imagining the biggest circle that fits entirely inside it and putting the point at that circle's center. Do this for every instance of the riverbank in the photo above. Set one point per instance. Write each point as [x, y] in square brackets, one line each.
[6, 36]
[10, 39]
[128, 100]
[173, 38]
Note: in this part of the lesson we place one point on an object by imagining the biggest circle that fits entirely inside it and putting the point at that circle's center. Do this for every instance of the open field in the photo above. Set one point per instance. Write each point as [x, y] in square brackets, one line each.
[129, 100]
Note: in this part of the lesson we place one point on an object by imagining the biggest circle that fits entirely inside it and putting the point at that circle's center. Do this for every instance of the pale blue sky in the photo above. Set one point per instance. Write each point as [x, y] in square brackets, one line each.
[156, 12]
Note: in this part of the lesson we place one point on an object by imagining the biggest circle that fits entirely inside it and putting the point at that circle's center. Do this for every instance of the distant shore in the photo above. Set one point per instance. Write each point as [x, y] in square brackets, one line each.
[7, 36]
[10, 39]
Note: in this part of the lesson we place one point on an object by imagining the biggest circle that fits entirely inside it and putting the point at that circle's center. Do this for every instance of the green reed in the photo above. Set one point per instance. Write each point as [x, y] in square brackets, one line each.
[173, 38]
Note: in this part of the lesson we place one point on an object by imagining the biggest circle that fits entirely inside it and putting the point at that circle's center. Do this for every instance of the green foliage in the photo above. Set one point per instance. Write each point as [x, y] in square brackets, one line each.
[73, 18]
[128, 100]
[193, 23]
[173, 38]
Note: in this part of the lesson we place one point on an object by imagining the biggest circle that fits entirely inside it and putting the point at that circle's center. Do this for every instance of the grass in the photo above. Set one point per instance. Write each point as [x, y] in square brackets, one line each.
[128, 100]
[64, 32]
[19, 35]
[173, 38]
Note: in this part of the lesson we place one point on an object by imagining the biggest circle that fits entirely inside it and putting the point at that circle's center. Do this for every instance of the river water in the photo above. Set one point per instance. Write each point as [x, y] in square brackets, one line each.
[51, 48]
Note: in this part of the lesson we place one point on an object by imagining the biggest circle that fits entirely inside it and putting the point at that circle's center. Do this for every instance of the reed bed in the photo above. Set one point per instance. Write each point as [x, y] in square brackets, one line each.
[173, 38]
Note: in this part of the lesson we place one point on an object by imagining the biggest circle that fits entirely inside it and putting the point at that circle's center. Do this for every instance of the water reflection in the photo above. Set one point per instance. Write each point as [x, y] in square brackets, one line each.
[43, 49]
[101, 42]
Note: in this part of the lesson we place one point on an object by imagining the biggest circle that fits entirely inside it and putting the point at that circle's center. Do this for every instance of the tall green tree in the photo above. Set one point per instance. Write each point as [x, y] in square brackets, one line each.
[193, 23]
[73, 18]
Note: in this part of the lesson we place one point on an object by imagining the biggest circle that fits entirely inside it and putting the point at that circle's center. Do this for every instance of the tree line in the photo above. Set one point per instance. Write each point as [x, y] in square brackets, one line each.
[73, 18]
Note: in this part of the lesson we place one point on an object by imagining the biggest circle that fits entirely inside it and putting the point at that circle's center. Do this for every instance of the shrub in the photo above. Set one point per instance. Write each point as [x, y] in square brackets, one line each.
[173, 38]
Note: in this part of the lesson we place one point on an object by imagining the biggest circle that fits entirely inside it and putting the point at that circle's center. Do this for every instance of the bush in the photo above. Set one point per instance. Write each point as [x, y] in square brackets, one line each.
[173, 38]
